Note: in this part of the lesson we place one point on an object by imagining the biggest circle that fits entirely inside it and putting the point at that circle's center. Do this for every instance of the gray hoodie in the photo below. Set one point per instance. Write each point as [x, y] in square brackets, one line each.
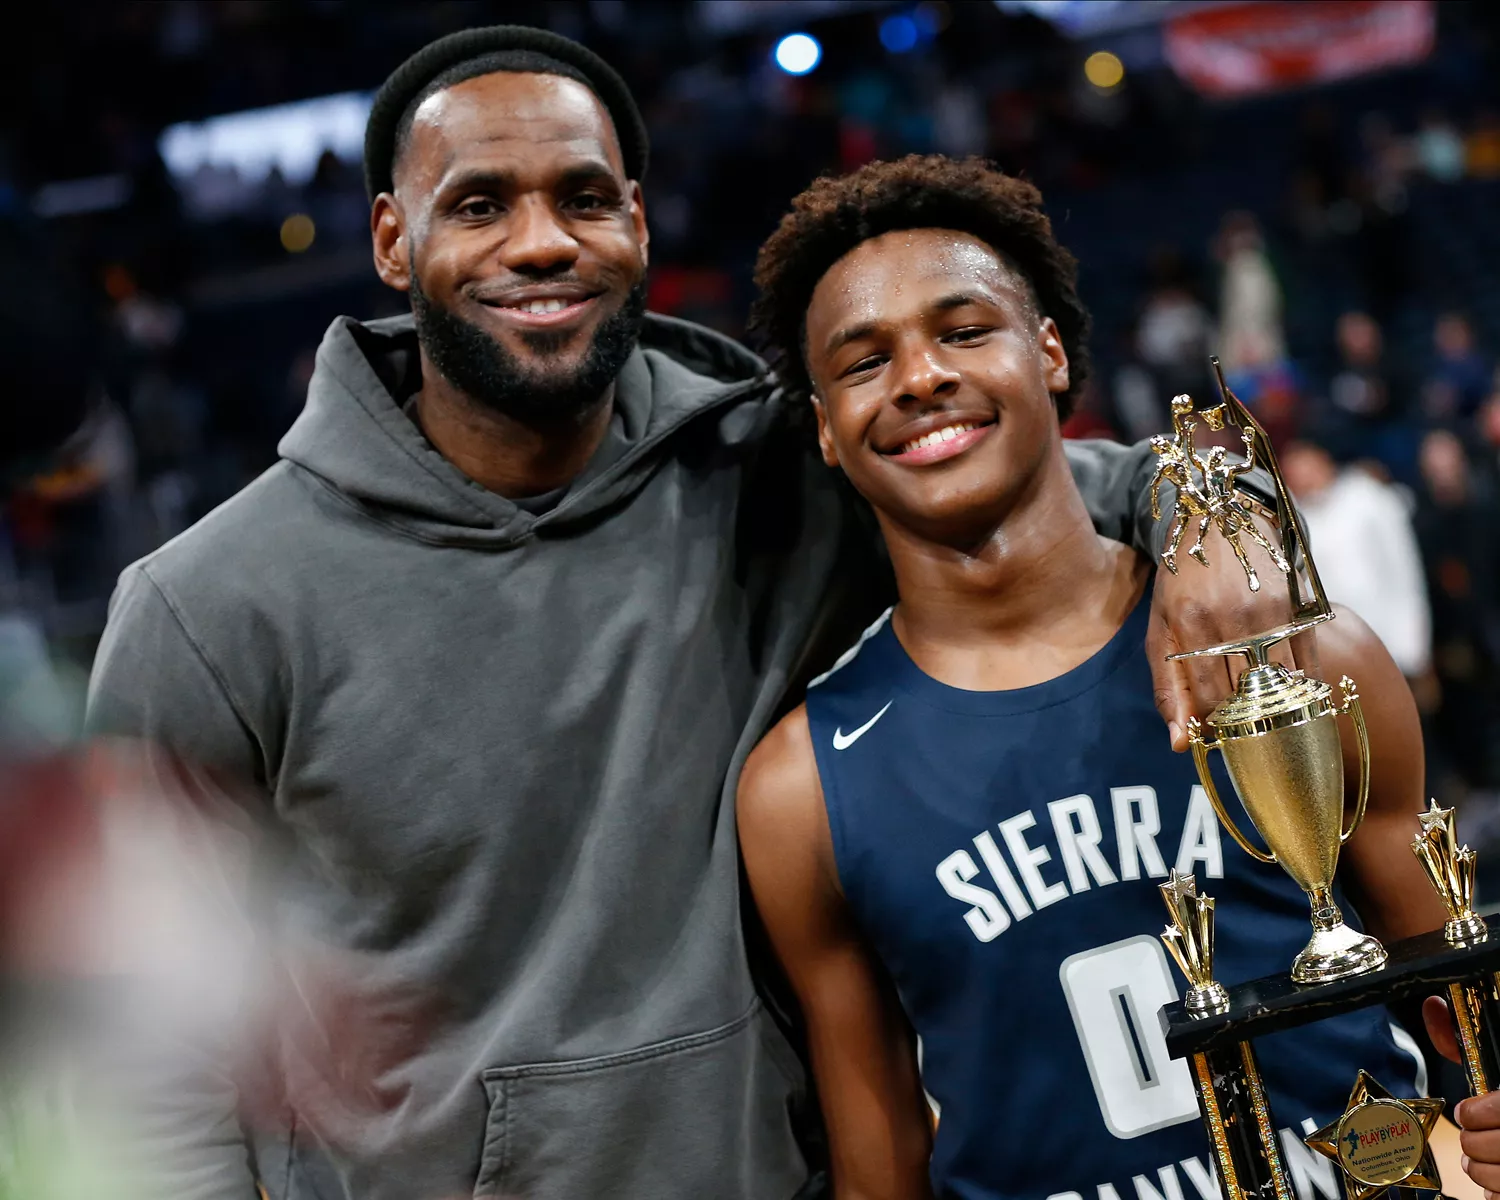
[505, 745]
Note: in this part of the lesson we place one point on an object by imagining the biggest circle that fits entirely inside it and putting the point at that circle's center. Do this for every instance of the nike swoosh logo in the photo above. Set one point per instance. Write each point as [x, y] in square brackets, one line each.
[842, 740]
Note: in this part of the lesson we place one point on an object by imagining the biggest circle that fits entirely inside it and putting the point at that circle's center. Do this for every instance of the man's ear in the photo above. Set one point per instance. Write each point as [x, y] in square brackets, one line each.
[388, 237]
[1054, 357]
[825, 442]
[638, 219]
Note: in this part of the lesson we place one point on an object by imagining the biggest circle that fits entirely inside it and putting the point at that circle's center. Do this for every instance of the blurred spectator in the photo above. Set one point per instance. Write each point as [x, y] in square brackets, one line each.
[1459, 379]
[1360, 533]
[1141, 404]
[1482, 146]
[1360, 388]
[1321, 163]
[1014, 129]
[40, 706]
[1175, 330]
[1439, 148]
[958, 120]
[167, 416]
[1252, 346]
[1458, 530]
[1250, 334]
[1091, 417]
[1487, 421]
[73, 522]
[1366, 393]
[1387, 160]
[1382, 231]
[49, 344]
[336, 202]
[1276, 391]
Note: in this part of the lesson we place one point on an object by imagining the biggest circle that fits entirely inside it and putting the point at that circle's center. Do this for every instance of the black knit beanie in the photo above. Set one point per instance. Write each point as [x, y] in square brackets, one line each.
[407, 80]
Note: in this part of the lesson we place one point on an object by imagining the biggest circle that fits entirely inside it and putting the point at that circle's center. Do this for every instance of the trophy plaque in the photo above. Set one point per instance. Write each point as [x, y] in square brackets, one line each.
[1279, 738]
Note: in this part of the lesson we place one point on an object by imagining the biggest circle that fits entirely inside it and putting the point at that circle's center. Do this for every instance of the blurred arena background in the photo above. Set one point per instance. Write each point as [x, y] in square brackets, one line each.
[1308, 190]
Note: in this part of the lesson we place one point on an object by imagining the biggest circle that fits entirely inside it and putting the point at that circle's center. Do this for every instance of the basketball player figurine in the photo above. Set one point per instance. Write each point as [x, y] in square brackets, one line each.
[1206, 491]
[1280, 741]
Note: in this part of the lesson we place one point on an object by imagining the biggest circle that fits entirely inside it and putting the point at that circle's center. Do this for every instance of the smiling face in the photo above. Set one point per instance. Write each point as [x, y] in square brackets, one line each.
[934, 379]
[520, 239]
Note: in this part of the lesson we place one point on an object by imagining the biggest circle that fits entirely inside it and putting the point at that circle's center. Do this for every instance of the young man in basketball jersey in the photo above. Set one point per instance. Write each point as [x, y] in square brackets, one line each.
[956, 842]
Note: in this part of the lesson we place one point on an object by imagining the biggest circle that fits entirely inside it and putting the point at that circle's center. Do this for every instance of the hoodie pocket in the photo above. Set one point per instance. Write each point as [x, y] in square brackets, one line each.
[702, 1117]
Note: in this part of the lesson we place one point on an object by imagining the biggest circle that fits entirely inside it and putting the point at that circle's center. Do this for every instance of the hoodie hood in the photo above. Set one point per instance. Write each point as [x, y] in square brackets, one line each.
[353, 435]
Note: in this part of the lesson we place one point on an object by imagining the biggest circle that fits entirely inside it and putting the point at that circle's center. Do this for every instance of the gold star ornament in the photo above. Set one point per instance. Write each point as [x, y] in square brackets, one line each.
[1380, 1141]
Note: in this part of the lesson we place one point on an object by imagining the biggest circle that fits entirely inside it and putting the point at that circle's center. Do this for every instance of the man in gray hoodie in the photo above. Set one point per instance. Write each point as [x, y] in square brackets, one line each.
[489, 646]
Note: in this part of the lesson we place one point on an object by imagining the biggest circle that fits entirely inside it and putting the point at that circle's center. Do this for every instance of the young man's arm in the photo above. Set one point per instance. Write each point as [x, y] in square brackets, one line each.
[863, 1052]
[1377, 868]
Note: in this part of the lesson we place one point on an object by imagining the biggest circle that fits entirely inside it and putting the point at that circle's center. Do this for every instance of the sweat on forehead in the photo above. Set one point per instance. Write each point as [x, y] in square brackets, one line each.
[941, 262]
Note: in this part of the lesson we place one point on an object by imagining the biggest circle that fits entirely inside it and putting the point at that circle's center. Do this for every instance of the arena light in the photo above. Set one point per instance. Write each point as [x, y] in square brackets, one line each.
[74, 197]
[899, 33]
[932, 18]
[1088, 18]
[1104, 70]
[298, 233]
[798, 53]
[289, 138]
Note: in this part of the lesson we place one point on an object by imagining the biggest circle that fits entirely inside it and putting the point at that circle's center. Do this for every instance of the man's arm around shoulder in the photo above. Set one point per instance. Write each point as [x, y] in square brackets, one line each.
[863, 1052]
[1113, 479]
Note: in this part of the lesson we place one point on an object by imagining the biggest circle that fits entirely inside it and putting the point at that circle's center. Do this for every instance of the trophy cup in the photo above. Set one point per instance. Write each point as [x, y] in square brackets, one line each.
[1277, 733]
[1280, 742]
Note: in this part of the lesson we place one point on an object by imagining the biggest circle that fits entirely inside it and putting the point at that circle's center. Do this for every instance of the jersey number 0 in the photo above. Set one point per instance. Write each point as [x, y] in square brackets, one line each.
[1114, 993]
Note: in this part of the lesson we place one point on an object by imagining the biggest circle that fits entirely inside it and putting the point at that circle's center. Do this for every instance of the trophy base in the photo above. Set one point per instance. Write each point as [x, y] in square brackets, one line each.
[1207, 1000]
[1337, 952]
[1462, 930]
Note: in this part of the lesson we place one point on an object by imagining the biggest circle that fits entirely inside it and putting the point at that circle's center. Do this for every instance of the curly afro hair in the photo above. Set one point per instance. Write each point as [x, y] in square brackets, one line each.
[920, 191]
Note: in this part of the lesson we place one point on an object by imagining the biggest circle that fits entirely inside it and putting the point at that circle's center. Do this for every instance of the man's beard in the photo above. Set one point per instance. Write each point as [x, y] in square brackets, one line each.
[480, 367]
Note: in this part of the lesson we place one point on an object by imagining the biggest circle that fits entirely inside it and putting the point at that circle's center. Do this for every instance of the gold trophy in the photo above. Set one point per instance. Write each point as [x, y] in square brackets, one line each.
[1277, 732]
[1281, 746]
[1190, 941]
[1475, 1001]
[1451, 871]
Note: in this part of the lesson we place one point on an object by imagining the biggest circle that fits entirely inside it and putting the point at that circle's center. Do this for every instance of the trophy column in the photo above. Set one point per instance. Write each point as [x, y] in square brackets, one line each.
[1380, 1141]
[1476, 1013]
[1233, 1103]
[1231, 1096]
[1475, 1003]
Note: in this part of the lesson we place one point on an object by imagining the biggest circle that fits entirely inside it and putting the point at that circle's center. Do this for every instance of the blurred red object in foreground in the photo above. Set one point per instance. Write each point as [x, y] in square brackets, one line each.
[123, 867]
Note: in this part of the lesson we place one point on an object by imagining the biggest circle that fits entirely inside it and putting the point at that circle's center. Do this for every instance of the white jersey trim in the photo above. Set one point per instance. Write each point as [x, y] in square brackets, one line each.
[847, 656]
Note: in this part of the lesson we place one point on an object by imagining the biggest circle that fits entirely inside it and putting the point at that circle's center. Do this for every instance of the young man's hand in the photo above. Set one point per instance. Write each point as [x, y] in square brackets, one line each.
[1206, 606]
[1479, 1116]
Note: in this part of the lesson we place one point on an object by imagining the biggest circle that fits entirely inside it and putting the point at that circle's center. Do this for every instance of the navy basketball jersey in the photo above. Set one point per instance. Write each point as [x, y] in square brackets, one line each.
[1001, 852]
